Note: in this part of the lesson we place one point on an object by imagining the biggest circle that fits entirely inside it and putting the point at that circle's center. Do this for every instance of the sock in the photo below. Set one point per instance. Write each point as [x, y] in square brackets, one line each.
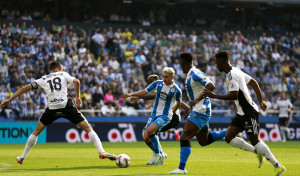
[262, 148]
[96, 141]
[217, 135]
[185, 151]
[288, 132]
[282, 132]
[154, 145]
[30, 143]
[160, 148]
[242, 144]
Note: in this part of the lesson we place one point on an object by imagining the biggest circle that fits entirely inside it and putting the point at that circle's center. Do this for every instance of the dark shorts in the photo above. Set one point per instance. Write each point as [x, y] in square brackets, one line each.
[283, 121]
[248, 122]
[70, 112]
[173, 123]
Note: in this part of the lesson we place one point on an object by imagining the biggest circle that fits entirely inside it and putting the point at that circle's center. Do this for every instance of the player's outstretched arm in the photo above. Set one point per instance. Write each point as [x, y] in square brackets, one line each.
[232, 95]
[24, 89]
[253, 83]
[138, 94]
[149, 96]
[176, 106]
[76, 83]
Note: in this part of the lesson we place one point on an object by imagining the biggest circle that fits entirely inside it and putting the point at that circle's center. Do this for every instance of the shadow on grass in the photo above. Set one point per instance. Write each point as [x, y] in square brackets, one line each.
[70, 168]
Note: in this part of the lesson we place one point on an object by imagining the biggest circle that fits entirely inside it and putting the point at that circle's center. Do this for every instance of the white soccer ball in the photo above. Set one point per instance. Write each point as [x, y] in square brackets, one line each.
[123, 161]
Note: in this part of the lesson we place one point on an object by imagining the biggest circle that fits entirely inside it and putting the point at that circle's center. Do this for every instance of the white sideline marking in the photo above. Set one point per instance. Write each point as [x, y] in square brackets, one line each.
[5, 165]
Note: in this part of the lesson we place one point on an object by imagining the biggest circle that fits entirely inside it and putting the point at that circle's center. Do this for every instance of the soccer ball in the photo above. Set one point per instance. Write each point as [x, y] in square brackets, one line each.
[123, 161]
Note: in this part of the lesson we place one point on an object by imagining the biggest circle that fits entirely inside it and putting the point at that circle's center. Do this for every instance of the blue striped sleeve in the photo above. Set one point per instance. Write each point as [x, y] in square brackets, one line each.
[201, 78]
[152, 86]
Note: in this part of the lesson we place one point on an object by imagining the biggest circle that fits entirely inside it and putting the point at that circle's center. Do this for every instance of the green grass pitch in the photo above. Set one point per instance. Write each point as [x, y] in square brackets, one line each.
[218, 159]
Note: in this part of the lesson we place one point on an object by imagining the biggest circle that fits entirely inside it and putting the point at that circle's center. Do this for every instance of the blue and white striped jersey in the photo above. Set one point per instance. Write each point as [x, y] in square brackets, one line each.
[166, 97]
[195, 84]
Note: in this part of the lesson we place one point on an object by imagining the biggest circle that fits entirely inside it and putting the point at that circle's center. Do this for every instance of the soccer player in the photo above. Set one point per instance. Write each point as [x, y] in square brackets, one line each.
[200, 113]
[59, 105]
[247, 115]
[285, 107]
[170, 127]
[166, 103]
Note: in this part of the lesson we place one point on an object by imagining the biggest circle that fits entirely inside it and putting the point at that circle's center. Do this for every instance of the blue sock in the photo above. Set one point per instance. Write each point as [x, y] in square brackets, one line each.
[184, 155]
[217, 135]
[154, 145]
[160, 149]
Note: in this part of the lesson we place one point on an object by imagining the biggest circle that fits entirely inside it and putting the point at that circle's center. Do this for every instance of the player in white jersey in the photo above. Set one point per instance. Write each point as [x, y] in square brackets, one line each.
[247, 115]
[197, 123]
[59, 105]
[285, 107]
[166, 103]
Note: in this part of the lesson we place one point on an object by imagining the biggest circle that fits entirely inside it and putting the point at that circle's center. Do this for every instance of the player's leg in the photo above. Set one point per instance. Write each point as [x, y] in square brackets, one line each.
[84, 125]
[170, 127]
[205, 137]
[284, 130]
[190, 129]
[31, 141]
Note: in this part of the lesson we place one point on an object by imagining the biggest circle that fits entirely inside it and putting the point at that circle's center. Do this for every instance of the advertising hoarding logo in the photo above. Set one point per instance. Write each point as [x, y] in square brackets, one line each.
[128, 135]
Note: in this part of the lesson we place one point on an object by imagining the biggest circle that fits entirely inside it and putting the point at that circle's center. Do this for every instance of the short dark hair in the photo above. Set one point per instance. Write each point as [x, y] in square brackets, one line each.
[54, 65]
[152, 78]
[223, 55]
[186, 56]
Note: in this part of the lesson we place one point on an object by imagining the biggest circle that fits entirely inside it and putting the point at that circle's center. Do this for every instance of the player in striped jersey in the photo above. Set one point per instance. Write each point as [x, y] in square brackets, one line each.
[200, 113]
[247, 115]
[166, 103]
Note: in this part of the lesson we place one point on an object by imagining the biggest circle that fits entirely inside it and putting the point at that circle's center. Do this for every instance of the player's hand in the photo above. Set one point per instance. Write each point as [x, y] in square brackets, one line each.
[263, 105]
[78, 102]
[208, 93]
[4, 103]
[126, 95]
[134, 99]
[193, 103]
[186, 115]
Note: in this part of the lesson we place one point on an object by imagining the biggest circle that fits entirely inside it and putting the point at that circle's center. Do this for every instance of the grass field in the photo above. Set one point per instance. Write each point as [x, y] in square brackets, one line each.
[218, 159]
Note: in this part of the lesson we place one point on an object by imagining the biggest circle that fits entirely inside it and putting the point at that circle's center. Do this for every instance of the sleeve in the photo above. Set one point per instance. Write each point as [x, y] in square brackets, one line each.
[69, 78]
[290, 104]
[201, 78]
[179, 96]
[36, 84]
[233, 84]
[152, 87]
[247, 78]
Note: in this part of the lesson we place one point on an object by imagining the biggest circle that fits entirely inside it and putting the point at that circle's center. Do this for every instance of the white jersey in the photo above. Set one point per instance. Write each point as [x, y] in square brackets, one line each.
[195, 84]
[166, 97]
[55, 86]
[237, 80]
[283, 106]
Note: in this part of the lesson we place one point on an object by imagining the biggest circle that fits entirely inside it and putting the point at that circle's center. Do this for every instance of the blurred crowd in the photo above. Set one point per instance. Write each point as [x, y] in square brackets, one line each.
[200, 14]
[111, 62]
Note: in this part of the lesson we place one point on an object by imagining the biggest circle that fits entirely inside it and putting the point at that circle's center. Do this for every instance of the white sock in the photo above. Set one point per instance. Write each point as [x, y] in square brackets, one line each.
[96, 141]
[288, 132]
[282, 132]
[242, 144]
[262, 148]
[30, 143]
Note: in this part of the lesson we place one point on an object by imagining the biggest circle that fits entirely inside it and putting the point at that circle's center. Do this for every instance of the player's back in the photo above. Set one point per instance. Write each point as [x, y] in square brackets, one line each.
[55, 86]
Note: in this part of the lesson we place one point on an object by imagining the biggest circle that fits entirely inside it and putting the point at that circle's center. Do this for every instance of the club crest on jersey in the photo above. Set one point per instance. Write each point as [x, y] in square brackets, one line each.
[173, 89]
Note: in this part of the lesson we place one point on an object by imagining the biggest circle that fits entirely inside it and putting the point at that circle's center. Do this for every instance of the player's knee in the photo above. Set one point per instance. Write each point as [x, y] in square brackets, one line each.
[202, 143]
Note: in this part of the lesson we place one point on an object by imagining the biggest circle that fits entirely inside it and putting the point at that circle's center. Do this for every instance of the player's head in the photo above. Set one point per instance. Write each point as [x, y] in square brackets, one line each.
[186, 61]
[282, 95]
[168, 75]
[152, 78]
[222, 60]
[55, 66]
